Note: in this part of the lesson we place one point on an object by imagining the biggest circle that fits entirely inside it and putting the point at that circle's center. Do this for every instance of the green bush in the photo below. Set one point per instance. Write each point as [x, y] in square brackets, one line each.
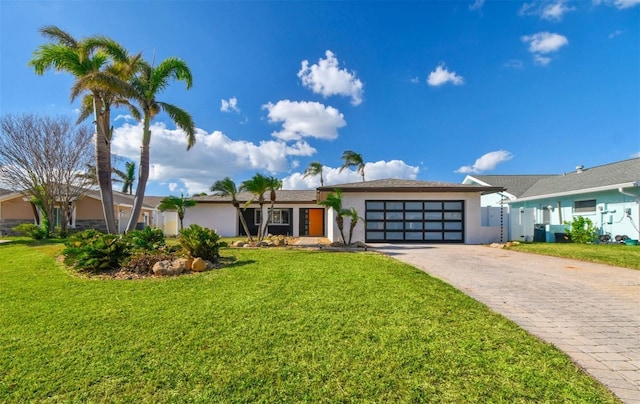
[146, 240]
[582, 230]
[95, 251]
[200, 242]
[31, 230]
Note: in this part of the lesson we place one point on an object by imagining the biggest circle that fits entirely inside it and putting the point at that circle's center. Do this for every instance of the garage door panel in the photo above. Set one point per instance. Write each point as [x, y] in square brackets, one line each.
[414, 221]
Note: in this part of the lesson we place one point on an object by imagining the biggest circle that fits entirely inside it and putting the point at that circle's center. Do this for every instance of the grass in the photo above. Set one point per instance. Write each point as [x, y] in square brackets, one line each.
[277, 326]
[611, 254]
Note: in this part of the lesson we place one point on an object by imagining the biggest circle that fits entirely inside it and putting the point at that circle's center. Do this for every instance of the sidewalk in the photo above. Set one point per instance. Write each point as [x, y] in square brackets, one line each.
[589, 311]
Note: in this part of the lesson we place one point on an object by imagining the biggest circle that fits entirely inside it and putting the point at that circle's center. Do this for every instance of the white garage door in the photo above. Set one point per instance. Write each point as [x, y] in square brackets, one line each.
[414, 221]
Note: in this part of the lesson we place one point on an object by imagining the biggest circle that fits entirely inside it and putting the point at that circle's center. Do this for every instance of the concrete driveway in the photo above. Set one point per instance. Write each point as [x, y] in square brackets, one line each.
[589, 311]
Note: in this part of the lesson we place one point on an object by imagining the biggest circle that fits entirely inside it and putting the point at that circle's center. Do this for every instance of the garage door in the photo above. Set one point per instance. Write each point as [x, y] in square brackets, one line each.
[414, 221]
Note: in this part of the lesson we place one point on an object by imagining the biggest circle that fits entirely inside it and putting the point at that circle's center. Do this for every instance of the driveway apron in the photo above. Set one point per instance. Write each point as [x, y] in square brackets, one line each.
[589, 311]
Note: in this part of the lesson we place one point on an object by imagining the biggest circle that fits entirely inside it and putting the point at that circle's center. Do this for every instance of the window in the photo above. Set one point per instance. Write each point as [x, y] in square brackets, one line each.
[280, 216]
[588, 206]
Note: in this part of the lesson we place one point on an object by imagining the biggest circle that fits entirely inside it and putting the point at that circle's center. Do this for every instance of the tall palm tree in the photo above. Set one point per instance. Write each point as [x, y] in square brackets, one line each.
[353, 159]
[227, 187]
[334, 201]
[257, 185]
[178, 204]
[127, 177]
[315, 168]
[273, 185]
[96, 63]
[145, 86]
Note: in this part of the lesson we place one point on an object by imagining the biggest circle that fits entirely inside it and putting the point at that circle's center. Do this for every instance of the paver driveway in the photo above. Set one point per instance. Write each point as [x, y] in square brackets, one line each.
[590, 311]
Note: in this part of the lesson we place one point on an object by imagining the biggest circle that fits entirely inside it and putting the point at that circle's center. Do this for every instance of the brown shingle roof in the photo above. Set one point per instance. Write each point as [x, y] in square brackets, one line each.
[398, 185]
[282, 196]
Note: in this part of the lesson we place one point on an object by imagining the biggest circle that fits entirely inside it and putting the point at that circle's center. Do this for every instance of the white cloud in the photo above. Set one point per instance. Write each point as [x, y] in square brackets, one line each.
[442, 76]
[543, 43]
[541, 60]
[229, 105]
[634, 155]
[477, 5]
[214, 156]
[415, 80]
[305, 119]
[515, 64]
[619, 4]
[326, 78]
[173, 186]
[547, 10]
[373, 171]
[615, 34]
[486, 162]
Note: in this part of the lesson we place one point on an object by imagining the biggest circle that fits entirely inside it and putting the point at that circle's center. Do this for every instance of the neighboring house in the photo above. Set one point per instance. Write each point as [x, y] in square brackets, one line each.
[87, 213]
[609, 195]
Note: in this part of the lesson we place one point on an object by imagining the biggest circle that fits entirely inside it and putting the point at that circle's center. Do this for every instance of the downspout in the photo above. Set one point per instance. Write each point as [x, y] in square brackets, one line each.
[559, 213]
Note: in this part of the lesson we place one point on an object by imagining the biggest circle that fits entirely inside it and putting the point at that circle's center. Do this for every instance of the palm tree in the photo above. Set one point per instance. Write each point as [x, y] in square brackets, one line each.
[127, 177]
[273, 184]
[334, 201]
[353, 159]
[145, 86]
[315, 168]
[257, 185]
[227, 187]
[95, 62]
[178, 204]
[351, 213]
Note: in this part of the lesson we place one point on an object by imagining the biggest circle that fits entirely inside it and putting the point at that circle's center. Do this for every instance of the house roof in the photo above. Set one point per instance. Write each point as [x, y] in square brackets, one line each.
[624, 173]
[515, 185]
[153, 201]
[4, 192]
[283, 196]
[399, 185]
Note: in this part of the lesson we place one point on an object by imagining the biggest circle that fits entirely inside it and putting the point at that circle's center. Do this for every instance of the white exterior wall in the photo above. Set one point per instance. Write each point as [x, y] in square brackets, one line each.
[474, 232]
[223, 218]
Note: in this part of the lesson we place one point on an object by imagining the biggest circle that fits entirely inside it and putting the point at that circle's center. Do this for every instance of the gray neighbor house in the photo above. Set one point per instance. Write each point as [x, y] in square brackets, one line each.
[539, 205]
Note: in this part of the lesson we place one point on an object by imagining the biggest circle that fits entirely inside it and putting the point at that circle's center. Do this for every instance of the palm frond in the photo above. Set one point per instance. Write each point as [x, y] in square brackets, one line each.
[183, 120]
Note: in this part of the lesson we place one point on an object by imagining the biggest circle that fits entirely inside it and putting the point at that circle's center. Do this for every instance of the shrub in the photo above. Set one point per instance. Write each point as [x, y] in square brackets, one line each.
[31, 230]
[200, 242]
[147, 240]
[582, 230]
[95, 251]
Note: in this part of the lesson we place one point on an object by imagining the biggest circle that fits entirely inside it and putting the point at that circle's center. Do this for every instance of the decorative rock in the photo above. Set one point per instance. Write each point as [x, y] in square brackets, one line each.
[360, 244]
[168, 268]
[199, 265]
[238, 244]
[187, 262]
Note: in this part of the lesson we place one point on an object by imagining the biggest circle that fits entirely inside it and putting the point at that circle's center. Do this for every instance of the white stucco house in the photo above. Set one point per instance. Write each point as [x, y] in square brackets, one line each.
[395, 211]
[539, 205]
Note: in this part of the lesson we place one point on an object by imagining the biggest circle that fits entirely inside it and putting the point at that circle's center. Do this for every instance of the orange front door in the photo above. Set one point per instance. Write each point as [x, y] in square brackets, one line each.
[316, 222]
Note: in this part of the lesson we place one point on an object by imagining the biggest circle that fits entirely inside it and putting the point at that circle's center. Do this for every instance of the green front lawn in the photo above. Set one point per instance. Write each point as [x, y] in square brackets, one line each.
[277, 326]
[620, 255]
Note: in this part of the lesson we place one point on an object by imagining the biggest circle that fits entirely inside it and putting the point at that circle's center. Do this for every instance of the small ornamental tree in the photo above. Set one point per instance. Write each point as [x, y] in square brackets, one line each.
[582, 230]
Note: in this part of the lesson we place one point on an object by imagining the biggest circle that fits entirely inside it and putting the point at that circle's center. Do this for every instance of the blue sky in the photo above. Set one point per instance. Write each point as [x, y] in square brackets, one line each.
[427, 90]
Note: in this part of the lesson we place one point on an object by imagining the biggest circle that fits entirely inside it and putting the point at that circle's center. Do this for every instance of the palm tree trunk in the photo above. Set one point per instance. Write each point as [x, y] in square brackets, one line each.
[143, 175]
[244, 223]
[340, 222]
[103, 162]
[269, 219]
